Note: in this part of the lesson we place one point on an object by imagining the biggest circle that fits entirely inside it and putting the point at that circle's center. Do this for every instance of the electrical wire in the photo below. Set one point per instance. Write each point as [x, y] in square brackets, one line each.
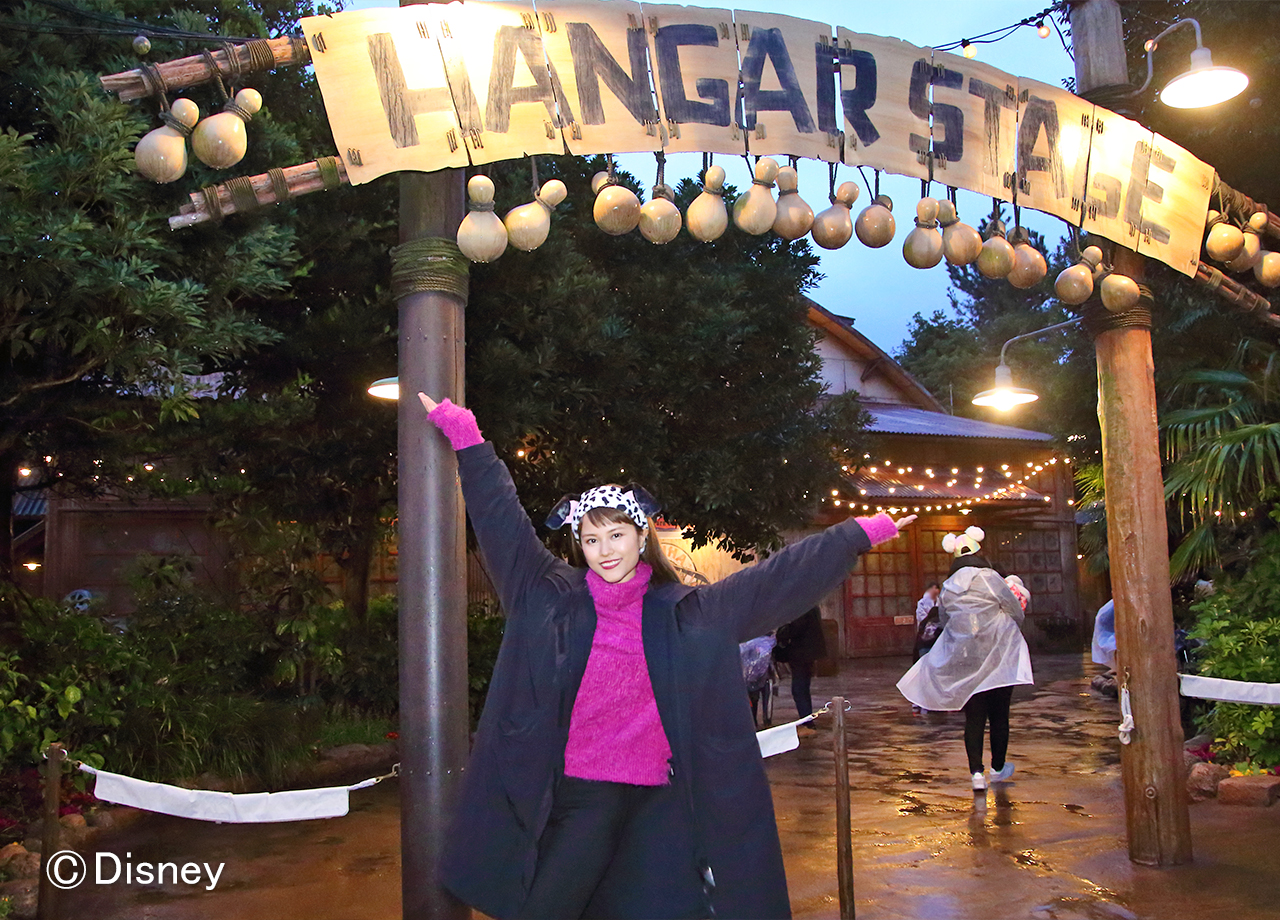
[1000, 34]
[104, 24]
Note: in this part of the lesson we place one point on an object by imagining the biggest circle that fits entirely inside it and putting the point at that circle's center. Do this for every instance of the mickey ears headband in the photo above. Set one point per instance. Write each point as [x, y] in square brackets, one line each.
[631, 499]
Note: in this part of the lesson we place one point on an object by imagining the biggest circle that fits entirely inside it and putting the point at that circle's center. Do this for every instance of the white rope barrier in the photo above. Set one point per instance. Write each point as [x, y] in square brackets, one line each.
[227, 807]
[1229, 691]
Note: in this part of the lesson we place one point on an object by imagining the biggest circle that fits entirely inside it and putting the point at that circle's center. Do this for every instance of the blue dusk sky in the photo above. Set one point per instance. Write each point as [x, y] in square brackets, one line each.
[875, 286]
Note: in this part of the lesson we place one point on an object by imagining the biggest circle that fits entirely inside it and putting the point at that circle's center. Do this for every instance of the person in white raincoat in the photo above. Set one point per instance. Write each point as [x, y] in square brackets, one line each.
[979, 657]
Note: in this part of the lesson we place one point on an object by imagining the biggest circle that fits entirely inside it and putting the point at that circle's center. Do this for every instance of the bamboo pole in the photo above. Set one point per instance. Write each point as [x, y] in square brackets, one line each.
[1234, 292]
[844, 829]
[301, 180]
[194, 70]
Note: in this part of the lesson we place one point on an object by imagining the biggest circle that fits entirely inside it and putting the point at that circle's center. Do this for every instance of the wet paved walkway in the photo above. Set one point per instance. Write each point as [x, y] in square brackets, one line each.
[1049, 846]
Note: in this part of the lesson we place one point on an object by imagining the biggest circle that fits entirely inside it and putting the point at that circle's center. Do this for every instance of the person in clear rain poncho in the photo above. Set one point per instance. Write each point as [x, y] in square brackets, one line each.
[979, 657]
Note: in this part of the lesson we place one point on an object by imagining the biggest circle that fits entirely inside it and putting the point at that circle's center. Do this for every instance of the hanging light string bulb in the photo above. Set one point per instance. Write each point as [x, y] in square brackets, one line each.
[1040, 21]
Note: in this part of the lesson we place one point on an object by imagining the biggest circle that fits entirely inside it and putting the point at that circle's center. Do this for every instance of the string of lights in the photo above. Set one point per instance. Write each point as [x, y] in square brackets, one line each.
[1041, 21]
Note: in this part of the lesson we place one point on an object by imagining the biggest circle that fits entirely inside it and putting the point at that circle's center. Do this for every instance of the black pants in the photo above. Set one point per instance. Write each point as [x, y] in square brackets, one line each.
[614, 850]
[801, 676]
[988, 706]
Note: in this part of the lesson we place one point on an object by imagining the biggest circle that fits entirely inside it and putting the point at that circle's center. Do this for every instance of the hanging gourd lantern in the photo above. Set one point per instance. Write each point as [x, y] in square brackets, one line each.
[660, 219]
[794, 218]
[482, 237]
[755, 211]
[996, 258]
[617, 209]
[961, 244]
[707, 216]
[923, 246]
[161, 155]
[1029, 266]
[1267, 271]
[875, 226]
[1119, 293]
[1250, 252]
[1224, 241]
[834, 227]
[221, 140]
[528, 225]
[1074, 285]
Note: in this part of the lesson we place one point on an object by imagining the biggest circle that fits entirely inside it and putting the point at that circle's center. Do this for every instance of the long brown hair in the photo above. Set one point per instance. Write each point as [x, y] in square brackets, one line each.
[653, 555]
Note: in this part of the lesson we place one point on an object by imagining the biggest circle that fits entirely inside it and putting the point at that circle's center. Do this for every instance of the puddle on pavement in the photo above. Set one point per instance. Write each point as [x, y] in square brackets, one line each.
[920, 808]
[1077, 810]
[1082, 909]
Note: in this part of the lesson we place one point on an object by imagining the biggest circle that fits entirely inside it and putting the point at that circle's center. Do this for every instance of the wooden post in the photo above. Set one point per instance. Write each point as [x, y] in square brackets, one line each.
[844, 831]
[46, 904]
[1152, 765]
[434, 706]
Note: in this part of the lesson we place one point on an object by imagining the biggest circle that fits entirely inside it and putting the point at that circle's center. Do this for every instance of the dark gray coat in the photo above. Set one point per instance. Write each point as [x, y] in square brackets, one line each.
[718, 811]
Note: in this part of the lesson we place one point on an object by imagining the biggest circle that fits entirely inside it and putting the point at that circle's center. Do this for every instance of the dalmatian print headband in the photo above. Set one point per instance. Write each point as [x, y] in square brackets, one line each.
[631, 500]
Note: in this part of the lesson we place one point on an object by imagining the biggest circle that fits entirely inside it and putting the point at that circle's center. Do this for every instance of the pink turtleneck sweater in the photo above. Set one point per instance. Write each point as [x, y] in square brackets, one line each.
[615, 733]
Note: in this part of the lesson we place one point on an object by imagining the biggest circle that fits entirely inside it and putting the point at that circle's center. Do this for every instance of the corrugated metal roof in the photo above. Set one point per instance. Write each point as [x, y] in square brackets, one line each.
[912, 421]
[30, 504]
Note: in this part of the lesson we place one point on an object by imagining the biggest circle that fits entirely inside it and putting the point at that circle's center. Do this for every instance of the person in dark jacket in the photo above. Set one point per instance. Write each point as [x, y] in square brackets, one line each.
[800, 644]
[615, 771]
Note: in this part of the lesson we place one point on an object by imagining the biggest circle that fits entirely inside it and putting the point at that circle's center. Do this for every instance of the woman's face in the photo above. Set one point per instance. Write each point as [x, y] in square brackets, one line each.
[612, 550]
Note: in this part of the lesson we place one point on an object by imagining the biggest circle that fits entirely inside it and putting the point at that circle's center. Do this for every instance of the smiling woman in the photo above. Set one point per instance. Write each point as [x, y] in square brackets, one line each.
[614, 771]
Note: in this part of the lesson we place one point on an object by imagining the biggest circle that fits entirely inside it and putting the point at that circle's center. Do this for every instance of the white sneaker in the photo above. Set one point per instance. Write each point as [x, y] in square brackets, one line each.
[1003, 774]
[979, 782]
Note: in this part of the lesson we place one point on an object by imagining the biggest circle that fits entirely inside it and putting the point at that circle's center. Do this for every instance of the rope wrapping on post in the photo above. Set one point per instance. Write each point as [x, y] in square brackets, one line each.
[329, 177]
[242, 194]
[431, 264]
[1098, 319]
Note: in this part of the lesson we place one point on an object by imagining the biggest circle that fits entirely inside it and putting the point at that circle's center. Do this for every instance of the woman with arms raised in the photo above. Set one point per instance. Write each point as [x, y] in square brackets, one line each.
[615, 771]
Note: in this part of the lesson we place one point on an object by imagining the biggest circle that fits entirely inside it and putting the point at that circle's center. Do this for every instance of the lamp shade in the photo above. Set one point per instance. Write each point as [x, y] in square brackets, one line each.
[1204, 84]
[1004, 395]
[386, 388]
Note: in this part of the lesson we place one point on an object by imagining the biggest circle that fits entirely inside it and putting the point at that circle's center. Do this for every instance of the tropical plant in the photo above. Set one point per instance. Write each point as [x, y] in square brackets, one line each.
[1240, 627]
[1223, 448]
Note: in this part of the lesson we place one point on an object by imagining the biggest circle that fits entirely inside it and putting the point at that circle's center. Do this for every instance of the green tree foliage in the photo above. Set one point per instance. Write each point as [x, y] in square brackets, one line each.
[954, 355]
[105, 315]
[687, 367]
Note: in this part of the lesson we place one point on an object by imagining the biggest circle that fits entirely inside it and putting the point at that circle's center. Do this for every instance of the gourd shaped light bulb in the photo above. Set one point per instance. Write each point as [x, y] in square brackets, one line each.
[794, 217]
[1119, 292]
[923, 246]
[1074, 285]
[528, 225]
[875, 226]
[482, 237]
[161, 155]
[960, 242]
[755, 211]
[221, 140]
[1224, 241]
[660, 219]
[996, 258]
[617, 209]
[834, 227]
[1029, 266]
[1250, 252]
[707, 216]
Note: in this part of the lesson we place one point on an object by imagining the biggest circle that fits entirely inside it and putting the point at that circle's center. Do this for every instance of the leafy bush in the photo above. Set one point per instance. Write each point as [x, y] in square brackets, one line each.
[1240, 625]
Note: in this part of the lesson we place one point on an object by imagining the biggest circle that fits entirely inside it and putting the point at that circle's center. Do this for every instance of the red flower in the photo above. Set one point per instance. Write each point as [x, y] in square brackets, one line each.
[394, 736]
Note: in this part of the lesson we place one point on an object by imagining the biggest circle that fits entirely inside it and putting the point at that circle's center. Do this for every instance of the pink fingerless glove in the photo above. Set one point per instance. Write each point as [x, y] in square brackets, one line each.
[879, 529]
[457, 424]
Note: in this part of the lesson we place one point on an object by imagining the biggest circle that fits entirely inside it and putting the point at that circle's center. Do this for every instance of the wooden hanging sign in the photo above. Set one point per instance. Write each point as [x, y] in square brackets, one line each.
[436, 86]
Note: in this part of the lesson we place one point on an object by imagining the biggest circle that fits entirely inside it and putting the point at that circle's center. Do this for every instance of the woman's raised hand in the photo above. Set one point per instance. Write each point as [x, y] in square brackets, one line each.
[900, 523]
[428, 403]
